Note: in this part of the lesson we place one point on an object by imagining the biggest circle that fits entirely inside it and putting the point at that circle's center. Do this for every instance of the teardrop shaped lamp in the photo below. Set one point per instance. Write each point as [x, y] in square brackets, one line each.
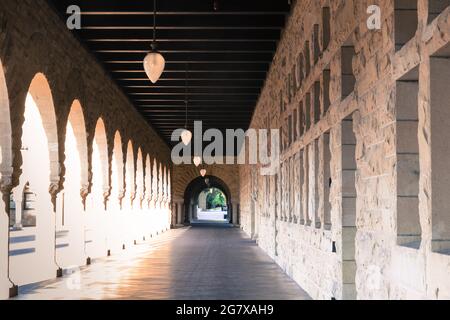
[197, 161]
[154, 64]
[186, 137]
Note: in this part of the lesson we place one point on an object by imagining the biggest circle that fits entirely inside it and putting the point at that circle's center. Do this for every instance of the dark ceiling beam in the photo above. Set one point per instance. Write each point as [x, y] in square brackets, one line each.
[180, 5]
[199, 75]
[231, 35]
[180, 81]
[192, 91]
[192, 115]
[198, 108]
[255, 57]
[191, 87]
[190, 27]
[191, 111]
[183, 46]
[196, 97]
[183, 13]
[171, 22]
[210, 84]
[209, 100]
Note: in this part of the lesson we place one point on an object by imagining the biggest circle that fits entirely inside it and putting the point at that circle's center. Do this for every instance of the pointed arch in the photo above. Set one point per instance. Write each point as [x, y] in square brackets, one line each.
[76, 124]
[140, 187]
[160, 182]
[100, 168]
[35, 195]
[169, 185]
[130, 183]
[40, 96]
[148, 178]
[72, 199]
[155, 179]
[117, 169]
[165, 183]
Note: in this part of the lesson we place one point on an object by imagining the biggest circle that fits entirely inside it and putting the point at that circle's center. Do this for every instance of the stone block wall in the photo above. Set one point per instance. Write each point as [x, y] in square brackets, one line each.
[358, 208]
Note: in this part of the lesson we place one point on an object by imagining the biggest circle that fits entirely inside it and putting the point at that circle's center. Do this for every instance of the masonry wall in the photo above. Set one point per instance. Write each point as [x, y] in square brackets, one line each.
[350, 212]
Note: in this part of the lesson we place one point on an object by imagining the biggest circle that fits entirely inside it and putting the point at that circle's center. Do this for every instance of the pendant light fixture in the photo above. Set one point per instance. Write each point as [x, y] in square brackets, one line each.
[154, 62]
[186, 135]
[197, 161]
[203, 172]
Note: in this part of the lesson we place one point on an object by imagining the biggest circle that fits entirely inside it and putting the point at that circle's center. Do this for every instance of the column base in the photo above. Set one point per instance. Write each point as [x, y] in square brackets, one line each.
[13, 291]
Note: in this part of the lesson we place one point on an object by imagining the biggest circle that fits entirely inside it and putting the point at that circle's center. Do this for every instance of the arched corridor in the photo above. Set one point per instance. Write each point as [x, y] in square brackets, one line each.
[225, 149]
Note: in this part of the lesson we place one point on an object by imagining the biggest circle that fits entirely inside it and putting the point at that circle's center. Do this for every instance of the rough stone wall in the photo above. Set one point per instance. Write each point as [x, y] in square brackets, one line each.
[33, 39]
[358, 251]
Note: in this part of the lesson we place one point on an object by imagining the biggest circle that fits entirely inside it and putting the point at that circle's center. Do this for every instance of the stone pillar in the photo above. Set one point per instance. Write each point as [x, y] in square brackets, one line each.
[5, 284]
[19, 209]
[235, 213]
[180, 214]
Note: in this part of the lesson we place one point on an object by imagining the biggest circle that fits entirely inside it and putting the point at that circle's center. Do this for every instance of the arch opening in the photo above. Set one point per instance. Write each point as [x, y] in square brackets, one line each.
[31, 205]
[212, 205]
[116, 219]
[202, 191]
[95, 228]
[70, 201]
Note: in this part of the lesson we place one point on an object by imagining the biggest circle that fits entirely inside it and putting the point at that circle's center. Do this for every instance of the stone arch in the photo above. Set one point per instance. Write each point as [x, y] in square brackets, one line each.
[117, 170]
[148, 178]
[160, 182]
[71, 201]
[77, 122]
[155, 178]
[34, 209]
[140, 186]
[164, 183]
[100, 168]
[39, 90]
[130, 176]
[169, 186]
[196, 186]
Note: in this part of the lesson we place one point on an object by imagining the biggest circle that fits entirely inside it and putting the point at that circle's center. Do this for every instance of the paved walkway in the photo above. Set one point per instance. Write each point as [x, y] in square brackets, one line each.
[202, 262]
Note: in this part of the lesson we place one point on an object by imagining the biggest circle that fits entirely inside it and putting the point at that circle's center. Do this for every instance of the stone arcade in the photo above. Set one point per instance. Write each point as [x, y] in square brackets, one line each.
[359, 207]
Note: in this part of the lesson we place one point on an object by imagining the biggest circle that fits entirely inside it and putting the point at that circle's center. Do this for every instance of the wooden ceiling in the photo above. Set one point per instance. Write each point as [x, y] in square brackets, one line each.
[227, 47]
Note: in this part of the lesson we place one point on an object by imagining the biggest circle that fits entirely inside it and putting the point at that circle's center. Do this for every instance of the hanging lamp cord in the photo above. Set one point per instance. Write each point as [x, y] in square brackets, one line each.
[186, 96]
[154, 25]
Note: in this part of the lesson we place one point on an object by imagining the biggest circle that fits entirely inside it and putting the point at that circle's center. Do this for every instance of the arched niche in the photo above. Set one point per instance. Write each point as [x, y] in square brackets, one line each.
[71, 200]
[117, 170]
[100, 168]
[33, 203]
[155, 179]
[140, 187]
[160, 182]
[148, 178]
[130, 180]
[76, 131]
